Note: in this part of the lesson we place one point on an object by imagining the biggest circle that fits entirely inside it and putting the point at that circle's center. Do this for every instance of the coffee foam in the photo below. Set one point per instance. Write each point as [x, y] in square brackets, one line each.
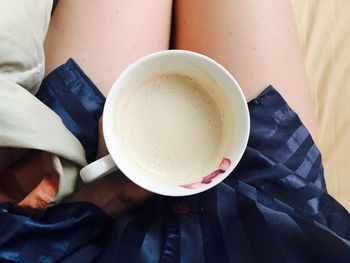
[172, 128]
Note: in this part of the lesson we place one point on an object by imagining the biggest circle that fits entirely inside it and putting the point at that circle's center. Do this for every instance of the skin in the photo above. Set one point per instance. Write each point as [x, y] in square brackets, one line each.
[245, 37]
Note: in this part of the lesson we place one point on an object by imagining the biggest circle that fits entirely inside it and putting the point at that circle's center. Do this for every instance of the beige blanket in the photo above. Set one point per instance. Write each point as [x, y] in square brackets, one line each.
[324, 29]
[25, 122]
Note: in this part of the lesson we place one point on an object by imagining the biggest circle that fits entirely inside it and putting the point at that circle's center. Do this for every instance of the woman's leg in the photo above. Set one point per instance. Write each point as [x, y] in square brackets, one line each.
[104, 37]
[255, 40]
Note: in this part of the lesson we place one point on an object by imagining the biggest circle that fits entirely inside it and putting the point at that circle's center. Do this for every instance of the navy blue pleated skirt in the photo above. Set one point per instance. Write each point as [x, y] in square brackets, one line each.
[274, 207]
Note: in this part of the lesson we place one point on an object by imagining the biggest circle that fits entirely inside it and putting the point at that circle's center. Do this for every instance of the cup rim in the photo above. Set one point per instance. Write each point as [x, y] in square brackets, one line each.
[108, 127]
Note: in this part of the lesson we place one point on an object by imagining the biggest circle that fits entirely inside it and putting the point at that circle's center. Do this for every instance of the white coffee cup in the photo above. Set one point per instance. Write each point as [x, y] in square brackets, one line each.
[188, 63]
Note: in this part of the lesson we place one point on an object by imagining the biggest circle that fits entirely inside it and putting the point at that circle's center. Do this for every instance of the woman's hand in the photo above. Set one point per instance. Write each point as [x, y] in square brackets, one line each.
[114, 193]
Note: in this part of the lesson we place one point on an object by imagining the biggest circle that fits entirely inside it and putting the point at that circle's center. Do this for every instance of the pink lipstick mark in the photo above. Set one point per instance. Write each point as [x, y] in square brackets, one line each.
[192, 185]
[208, 178]
[225, 163]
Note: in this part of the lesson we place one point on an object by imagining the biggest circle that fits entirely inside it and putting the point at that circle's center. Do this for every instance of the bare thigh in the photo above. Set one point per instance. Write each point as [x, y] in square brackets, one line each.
[104, 37]
[255, 40]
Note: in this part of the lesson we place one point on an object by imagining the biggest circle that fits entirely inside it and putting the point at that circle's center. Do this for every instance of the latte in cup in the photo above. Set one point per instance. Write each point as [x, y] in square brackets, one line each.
[175, 122]
[174, 128]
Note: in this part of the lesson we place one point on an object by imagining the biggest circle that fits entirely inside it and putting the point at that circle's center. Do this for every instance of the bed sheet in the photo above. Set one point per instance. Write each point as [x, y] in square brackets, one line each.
[324, 32]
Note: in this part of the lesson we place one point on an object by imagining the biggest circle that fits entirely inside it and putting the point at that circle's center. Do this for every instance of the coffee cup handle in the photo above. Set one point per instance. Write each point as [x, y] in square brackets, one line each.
[98, 169]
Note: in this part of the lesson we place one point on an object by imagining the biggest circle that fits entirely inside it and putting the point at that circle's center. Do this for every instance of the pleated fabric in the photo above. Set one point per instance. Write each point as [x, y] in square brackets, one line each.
[274, 207]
